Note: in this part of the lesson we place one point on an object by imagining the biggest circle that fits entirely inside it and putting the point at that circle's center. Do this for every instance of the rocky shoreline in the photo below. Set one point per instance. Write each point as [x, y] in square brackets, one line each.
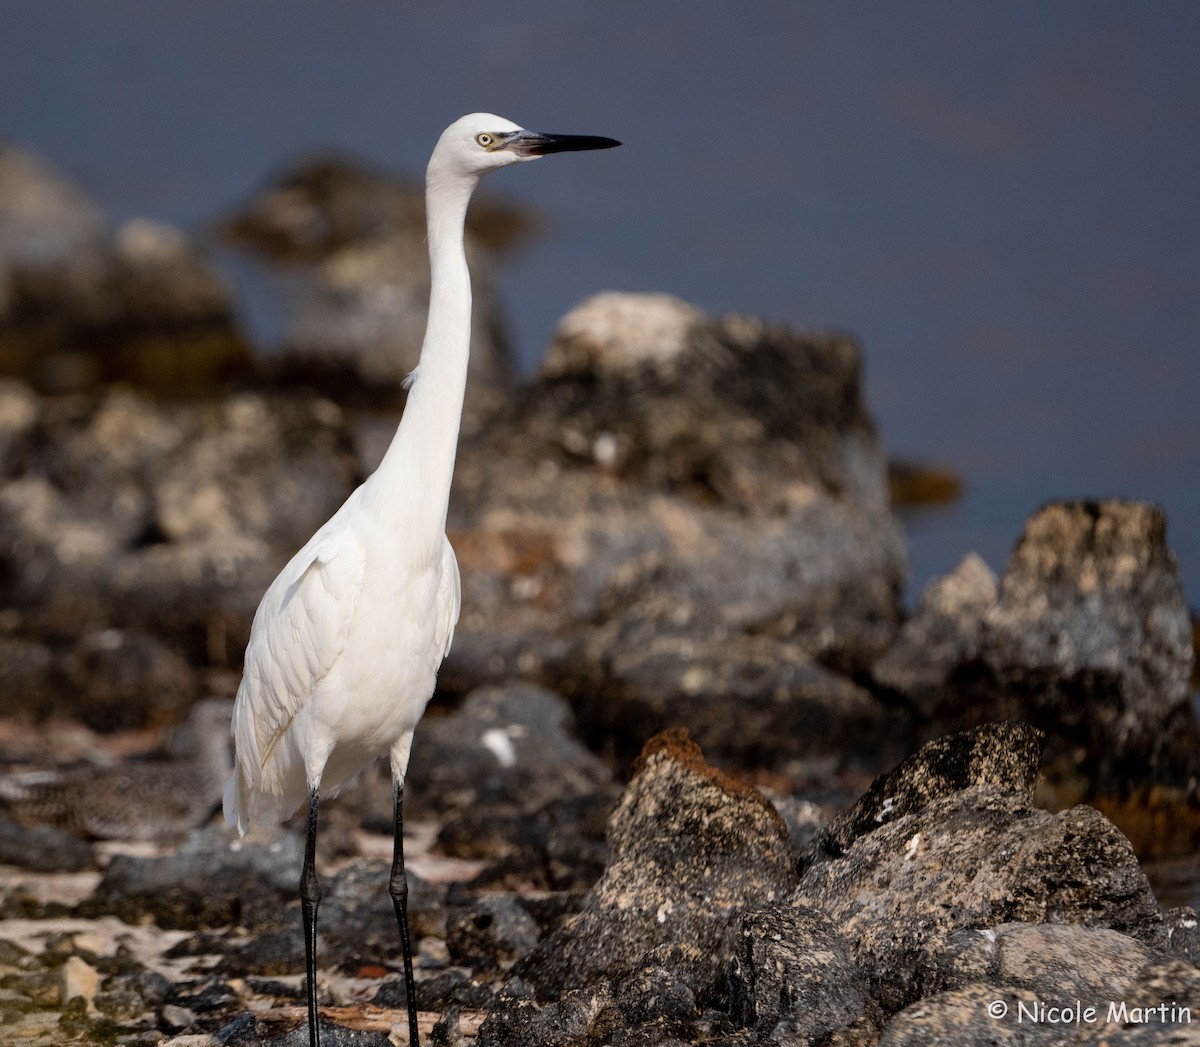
[694, 774]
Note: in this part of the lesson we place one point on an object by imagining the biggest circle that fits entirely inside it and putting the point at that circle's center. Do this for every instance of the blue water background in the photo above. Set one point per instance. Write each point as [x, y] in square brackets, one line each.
[1002, 200]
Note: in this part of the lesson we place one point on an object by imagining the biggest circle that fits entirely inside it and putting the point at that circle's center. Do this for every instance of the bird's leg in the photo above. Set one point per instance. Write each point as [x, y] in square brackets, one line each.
[398, 889]
[310, 898]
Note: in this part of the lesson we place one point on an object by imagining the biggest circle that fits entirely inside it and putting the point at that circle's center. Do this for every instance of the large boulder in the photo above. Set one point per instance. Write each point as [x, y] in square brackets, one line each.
[162, 521]
[690, 850]
[1086, 635]
[677, 493]
[974, 853]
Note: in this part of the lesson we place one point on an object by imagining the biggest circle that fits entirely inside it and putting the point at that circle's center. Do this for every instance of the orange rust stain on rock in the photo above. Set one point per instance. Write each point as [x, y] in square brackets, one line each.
[675, 743]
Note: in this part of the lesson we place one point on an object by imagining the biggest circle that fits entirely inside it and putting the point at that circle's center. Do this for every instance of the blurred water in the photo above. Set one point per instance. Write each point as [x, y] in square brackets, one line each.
[1000, 199]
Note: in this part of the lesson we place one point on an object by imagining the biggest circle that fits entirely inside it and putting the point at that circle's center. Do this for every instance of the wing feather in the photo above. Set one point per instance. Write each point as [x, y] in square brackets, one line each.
[449, 600]
[299, 631]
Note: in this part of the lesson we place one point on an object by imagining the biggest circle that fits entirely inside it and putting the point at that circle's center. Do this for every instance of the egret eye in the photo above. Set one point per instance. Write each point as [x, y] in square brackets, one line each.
[484, 139]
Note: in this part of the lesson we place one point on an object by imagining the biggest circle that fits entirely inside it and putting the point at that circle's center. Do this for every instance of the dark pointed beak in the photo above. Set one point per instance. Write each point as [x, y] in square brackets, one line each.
[531, 143]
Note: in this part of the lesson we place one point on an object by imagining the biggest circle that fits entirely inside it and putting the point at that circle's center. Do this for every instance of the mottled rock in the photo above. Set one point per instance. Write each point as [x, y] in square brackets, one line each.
[490, 932]
[672, 480]
[690, 849]
[1091, 631]
[358, 921]
[796, 968]
[946, 631]
[511, 784]
[1047, 961]
[80, 304]
[162, 521]
[504, 750]
[788, 705]
[1002, 757]
[42, 848]
[214, 880]
[975, 859]
[1183, 931]
[577, 1018]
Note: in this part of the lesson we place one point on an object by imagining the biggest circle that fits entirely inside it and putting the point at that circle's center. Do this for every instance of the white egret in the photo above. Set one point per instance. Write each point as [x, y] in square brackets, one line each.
[346, 644]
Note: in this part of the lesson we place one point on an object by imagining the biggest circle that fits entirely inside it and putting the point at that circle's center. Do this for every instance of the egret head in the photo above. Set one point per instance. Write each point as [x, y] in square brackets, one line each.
[476, 144]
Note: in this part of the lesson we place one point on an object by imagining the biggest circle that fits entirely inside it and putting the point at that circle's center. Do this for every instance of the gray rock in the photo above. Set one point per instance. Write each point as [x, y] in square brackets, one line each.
[45, 218]
[690, 850]
[577, 1018]
[490, 933]
[1183, 932]
[947, 630]
[509, 749]
[1087, 637]
[213, 880]
[1045, 961]
[81, 305]
[164, 521]
[673, 480]
[1002, 757]
[42, 848]
[975, 859]
[1091, 631]
[795, 968]
[1153, 1006]
[963, 1017]
[510, 783]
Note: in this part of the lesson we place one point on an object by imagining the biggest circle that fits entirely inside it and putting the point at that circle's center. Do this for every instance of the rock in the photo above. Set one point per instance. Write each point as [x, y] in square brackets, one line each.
[1183, 932]
[673, 481]
[788, 705]
[1046, 961]
[352, 243]
[1153, 1006]
[81, 305]
[578, 1018]
[509, 749]
[1087, 637]
[975, 859]
[1002, 756]
[213, 880]
[796, 969]
[147, 532]
[511, 784]
[946, 631]
[42, 848]
[45, 218]
[690, 849]
[358, 921]
[79, 979]
[490, 933]
[174, 1018]
[1091, 632]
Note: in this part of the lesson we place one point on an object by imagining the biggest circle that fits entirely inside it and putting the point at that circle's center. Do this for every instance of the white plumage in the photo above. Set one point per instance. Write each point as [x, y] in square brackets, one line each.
[347, 641]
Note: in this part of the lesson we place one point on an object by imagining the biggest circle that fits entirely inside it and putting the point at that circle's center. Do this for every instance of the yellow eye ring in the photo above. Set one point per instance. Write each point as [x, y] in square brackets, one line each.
[484, 139]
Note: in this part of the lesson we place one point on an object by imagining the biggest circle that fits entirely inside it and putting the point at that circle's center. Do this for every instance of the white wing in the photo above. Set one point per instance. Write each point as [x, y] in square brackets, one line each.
[298, 633]
[449, 598]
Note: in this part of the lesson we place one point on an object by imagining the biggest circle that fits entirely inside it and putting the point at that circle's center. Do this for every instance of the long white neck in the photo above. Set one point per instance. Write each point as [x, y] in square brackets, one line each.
[414, 476]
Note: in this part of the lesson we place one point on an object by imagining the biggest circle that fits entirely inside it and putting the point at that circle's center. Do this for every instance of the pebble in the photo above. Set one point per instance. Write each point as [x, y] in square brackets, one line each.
[79, 979]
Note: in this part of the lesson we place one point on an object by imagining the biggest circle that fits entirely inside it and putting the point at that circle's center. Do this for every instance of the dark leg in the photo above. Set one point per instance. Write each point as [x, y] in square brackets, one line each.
[398, 888]
[310, 898]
